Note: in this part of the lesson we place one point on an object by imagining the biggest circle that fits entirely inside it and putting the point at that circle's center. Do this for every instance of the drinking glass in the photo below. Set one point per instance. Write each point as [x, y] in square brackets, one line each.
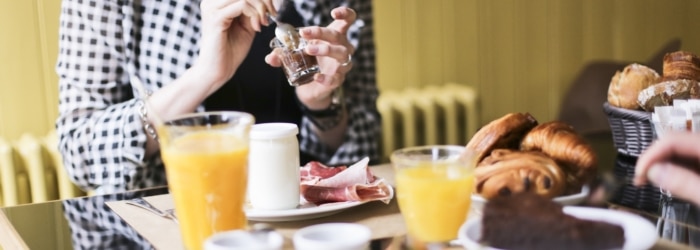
[206, 163]
[434, 185]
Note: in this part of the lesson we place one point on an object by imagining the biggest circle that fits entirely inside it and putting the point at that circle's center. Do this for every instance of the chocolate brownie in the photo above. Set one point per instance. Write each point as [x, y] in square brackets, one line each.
[529, 221]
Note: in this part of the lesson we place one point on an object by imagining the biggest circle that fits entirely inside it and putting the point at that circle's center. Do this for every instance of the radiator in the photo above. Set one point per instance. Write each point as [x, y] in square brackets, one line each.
[445, 114]
[31, 170]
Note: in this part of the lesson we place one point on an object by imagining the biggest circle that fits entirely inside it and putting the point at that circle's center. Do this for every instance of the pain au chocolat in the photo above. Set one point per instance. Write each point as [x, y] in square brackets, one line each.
[517, 155]
[560, 141]
[507, 171]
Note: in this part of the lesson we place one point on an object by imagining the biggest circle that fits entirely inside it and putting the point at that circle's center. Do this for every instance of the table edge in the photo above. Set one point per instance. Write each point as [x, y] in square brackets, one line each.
[10, 239]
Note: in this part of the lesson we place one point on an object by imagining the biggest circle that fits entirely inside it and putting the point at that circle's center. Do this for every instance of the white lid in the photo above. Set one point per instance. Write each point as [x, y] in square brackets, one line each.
[266, 131]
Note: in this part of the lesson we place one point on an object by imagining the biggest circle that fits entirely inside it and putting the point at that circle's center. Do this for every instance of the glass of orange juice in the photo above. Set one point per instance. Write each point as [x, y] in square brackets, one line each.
[433, 187]
[206, 163]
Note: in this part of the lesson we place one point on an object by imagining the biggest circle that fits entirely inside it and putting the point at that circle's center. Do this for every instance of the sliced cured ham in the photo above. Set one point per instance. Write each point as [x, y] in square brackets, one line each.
[315, 171]
[321, 184]
[378, 190]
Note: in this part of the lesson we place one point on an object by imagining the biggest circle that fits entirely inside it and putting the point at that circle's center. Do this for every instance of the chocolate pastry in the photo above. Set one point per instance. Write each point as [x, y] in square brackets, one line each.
[528, 221]
[505, 132]
[506, 172]
[572, 153]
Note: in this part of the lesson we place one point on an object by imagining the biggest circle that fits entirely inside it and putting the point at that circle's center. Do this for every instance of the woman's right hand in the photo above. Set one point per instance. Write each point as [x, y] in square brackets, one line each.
[672, 163]
[228, 28]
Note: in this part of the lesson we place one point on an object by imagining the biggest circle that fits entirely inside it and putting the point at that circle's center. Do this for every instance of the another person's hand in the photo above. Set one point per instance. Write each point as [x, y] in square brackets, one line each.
[672, 163]
[333, 50]
[228, 28]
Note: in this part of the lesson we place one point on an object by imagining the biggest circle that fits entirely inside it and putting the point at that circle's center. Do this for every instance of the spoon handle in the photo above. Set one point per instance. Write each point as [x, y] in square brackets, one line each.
[140, 202]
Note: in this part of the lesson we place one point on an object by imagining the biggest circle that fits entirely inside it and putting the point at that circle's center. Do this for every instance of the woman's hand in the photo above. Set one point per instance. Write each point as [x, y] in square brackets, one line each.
[332, 49]
[672, 163]
[228, 29]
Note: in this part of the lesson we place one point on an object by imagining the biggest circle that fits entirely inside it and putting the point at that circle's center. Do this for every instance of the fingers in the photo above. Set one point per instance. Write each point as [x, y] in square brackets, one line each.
[667, 149]
[325, 34]
[679, 181]
[339, 53]
[262, 8]
[225, 11]
[343, 18]
[273, 58]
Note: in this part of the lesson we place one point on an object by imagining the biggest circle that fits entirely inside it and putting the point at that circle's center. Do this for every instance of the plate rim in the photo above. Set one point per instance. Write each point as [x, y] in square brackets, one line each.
[566, 199]
[328, 207]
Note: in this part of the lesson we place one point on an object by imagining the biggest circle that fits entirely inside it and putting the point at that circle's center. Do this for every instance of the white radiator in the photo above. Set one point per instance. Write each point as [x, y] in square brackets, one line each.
[31, 170]
[445, 114]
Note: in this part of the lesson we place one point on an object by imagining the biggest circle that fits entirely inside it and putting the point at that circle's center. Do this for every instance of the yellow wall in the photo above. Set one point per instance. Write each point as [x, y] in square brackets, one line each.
[28, 49]
[520, 55]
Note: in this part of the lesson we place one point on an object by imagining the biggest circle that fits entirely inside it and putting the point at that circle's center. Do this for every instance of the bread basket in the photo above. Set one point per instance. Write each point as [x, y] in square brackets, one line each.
[632, 133]
[632, 130]
[645, 198]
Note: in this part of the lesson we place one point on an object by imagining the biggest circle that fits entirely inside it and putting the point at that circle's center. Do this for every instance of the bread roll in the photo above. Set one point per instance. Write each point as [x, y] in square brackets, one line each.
[559, 141]
[626, 84]
[505, 132]
[507, 172]
[681, 65]
[663, 93]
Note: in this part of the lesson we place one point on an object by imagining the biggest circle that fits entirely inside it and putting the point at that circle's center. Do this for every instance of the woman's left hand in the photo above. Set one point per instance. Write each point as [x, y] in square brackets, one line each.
[333, 51]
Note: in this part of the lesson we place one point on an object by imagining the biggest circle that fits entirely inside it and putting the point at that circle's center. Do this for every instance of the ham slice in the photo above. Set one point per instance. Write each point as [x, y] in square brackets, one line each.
[321, 184]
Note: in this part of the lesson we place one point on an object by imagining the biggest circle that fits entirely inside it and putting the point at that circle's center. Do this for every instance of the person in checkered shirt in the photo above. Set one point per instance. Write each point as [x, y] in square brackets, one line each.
[207, 55]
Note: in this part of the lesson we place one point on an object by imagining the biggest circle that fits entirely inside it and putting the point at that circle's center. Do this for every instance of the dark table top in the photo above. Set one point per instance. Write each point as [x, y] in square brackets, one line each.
[86, 222]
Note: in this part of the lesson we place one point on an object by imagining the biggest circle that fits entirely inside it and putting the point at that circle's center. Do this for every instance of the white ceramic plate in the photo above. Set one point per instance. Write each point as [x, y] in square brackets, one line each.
[478, 201]
[301, 213]
[639, 232]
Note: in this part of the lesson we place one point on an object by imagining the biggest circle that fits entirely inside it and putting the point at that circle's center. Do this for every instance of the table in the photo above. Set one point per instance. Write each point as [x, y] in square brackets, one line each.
[45, 225]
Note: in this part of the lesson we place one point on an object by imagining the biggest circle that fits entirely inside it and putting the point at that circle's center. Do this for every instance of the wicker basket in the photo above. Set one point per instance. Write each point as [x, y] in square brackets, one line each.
[645, 198]
[632, 133]
[631, 129]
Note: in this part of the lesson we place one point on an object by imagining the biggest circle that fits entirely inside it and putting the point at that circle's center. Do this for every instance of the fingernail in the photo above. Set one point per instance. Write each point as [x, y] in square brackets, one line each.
[312, 49]
[320, 78]
[655, 173]
[305, 31]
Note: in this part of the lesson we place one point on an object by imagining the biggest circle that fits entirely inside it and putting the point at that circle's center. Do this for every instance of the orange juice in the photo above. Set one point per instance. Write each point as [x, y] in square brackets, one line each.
[434, 199]
[207, 173]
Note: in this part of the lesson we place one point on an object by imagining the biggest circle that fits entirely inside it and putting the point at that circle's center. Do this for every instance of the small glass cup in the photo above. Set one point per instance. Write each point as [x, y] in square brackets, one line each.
[298, 66]
[206, 163]
[434, 185]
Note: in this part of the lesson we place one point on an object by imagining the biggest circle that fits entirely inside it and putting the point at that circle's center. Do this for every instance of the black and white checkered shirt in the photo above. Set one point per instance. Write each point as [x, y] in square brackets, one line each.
[101, 135]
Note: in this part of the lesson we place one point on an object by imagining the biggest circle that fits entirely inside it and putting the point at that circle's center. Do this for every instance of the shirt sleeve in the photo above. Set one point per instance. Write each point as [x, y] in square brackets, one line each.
[101, 136]
[360, 89]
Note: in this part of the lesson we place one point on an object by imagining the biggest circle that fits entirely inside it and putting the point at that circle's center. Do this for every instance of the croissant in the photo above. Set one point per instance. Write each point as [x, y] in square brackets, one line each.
[506, 172]
[505, 132]
[559, 141]
[681, 65]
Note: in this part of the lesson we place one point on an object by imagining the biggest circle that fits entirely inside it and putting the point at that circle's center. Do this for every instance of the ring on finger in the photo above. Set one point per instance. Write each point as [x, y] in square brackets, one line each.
[347, 62]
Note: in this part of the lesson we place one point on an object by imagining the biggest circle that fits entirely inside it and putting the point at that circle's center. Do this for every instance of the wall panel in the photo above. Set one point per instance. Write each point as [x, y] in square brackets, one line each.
[28, 84]
[519, 55]
[522, 56]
